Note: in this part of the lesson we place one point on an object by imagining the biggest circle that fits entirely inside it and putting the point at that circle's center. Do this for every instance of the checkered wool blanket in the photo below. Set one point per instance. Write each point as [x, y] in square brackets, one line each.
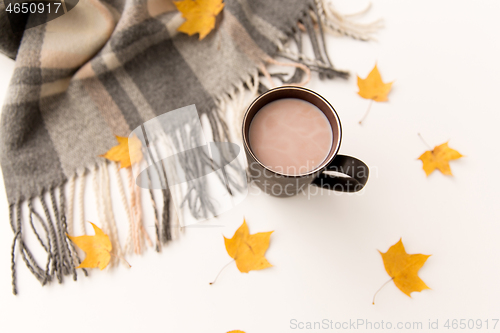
[107, 66]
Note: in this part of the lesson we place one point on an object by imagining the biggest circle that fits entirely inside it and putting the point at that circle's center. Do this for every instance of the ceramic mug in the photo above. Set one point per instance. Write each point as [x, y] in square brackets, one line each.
[351, 173]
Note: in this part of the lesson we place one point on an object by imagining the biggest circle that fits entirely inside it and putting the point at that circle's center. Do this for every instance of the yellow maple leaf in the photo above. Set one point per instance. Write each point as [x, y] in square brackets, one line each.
[439, 158]
[199, 14]
[237, 331]
[127, 152]
[248, 250]
[373, 87]
[97, 248]
[403, 268]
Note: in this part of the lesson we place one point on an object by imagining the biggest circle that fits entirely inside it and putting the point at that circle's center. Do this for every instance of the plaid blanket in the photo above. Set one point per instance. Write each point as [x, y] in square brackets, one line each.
[106, 67]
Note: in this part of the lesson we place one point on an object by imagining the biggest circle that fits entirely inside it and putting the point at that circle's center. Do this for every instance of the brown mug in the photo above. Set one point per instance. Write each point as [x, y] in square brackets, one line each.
[354, 173]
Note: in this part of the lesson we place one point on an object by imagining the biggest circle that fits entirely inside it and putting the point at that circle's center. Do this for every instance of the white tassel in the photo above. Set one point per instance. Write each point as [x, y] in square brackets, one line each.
[108, 211]
[345, 24]
[81, 194]
[123, 197]
[96, 181]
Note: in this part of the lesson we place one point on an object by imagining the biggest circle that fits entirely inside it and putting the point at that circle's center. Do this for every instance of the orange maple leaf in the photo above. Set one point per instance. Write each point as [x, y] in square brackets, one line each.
[403, 268]
[97, 248]
[439, 158]
[373, 87]
[248, 250]
[127, 152]
[200, 16]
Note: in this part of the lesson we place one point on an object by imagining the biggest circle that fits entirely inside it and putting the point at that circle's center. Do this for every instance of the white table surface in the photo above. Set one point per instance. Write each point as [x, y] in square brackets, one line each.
[444, 59]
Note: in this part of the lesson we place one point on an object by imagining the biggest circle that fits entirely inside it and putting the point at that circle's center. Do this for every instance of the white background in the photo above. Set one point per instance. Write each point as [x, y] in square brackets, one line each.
[444, 59]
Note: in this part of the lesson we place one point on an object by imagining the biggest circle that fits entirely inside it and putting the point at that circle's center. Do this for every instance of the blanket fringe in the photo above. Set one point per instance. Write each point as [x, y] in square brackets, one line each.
[52, 228]
[323, 17]
[345, 24]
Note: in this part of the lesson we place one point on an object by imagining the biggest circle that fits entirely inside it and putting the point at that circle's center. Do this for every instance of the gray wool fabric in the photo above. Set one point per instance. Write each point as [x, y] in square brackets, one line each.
[140, 72]
[105, 68]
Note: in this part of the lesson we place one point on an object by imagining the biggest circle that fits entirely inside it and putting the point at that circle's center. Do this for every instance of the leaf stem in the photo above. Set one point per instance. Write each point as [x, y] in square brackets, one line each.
[367, 112]
[221, 271]
[373, 302]
[120, 257]
[425, 143]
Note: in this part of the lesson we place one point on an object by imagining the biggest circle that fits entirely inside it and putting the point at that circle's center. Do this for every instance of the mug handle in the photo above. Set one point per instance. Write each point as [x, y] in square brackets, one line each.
[356, 170]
